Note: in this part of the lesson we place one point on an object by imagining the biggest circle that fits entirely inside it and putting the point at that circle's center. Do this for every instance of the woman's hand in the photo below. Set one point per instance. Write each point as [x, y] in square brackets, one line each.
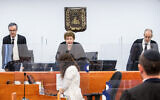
[61, 91]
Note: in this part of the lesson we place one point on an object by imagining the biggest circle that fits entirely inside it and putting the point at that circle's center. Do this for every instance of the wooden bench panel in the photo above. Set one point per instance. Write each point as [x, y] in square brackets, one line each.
[92, 82]
[7, 90]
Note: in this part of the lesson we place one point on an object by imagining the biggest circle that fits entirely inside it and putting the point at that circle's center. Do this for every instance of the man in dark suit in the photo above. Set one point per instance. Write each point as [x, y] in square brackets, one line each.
[15, 45]
[149, 67]
[138, 47]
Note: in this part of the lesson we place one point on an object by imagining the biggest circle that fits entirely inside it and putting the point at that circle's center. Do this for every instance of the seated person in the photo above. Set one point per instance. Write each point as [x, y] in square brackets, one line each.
[69, 46]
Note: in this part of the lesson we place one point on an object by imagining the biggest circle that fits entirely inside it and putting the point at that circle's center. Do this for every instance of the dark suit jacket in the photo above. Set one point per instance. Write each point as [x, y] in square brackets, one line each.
[135, 52]
[22, 48]
[21, 39]
[149, 90]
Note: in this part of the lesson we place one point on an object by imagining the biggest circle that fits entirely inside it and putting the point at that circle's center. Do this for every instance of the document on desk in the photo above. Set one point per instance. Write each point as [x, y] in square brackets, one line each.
[58, 81]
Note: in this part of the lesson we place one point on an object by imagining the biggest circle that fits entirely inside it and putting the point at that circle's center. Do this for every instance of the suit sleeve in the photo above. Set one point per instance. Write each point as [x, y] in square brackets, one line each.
[5, 40]
[155, 46]
[126, 96]
[21, 40]
[24, 41]
[131, 57]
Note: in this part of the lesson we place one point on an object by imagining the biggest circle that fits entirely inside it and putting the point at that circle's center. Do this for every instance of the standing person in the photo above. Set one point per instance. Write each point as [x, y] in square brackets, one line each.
[149, 67]
[70, 77]
[18, 48]
[138, 47]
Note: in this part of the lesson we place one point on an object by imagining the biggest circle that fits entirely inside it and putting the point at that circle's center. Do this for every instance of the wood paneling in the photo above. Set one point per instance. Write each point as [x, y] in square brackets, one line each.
[92, 82]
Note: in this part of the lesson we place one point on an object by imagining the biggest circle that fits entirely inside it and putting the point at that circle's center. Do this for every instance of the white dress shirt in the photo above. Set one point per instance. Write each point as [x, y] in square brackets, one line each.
[148, 45]
[15, 49]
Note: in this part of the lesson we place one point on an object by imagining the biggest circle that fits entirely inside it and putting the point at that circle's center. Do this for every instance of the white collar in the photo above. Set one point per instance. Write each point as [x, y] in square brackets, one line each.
[143, 42]
[15, 38]
[145, 79]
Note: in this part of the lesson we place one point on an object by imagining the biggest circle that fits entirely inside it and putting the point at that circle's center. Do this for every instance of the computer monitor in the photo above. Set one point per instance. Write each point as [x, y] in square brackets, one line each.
[103, 65]
[43, 66]
[92, 56]
[109, 65]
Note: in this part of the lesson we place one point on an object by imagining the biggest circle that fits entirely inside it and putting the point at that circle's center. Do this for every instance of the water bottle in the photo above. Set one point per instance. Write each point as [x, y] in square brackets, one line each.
[41, 88]
[21, 67]
[51, 69]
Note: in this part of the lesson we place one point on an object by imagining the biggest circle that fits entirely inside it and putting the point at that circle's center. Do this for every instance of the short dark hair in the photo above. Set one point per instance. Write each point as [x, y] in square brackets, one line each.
[69, 33]
[150, 61]
[13, 24]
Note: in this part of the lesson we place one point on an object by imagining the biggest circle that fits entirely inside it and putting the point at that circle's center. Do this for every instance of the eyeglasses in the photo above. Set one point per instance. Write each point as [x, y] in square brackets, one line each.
[148, 37]
[12, 30]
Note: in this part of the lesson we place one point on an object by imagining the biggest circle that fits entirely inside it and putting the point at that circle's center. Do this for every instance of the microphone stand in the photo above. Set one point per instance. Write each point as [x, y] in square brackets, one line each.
[24, 98]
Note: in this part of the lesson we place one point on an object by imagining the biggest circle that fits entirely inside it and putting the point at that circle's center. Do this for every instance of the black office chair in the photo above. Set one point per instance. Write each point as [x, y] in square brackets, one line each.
[114, 82]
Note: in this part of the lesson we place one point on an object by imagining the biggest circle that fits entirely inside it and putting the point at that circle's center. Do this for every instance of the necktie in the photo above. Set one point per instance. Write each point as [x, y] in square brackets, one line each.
[145, 48]
[12, 42]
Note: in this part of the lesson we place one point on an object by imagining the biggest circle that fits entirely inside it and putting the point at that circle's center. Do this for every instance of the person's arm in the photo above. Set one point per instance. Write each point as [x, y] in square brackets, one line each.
[58, 52]
[69, 76]
[133, 56]
[24, 41]
[130, 60]
[81, 52]
[3, 54]
[155, 46]
[61, 49]
[3, 41]
[78, 51]
[21, 39]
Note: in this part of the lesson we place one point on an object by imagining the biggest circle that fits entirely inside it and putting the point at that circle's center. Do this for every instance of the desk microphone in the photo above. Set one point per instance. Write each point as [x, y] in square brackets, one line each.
[24, 98]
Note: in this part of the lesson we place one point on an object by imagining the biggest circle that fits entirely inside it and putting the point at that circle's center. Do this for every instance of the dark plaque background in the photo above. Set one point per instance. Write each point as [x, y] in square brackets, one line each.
[75, 19]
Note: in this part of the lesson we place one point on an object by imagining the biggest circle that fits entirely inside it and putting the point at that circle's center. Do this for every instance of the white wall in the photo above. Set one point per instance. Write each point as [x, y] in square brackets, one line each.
[112, 25]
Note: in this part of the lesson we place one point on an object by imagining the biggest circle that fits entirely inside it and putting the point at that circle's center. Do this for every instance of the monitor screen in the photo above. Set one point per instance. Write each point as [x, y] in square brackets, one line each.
[103, 65]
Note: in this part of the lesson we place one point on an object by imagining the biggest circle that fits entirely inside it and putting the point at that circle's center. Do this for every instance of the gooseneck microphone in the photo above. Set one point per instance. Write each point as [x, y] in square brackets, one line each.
[24, 98]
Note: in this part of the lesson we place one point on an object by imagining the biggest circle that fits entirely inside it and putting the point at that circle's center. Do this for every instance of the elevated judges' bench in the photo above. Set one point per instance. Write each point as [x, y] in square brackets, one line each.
[92, 82]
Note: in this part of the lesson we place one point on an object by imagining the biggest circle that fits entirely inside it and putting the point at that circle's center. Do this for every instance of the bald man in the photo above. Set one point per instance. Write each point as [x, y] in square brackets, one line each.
[138, 47]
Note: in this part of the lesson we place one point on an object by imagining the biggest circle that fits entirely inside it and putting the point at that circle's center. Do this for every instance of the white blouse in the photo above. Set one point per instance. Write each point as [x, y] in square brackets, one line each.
[71, 84]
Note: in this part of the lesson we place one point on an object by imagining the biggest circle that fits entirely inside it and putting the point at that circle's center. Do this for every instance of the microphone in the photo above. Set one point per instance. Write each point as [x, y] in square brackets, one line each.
[24, 98]
[8, 82]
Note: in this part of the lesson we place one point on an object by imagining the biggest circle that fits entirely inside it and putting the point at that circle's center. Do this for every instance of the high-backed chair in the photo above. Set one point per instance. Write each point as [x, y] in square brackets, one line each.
[114, 82]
